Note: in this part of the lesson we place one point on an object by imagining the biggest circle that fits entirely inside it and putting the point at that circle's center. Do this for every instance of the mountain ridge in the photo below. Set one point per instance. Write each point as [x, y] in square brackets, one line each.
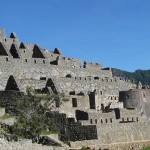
[138, 75]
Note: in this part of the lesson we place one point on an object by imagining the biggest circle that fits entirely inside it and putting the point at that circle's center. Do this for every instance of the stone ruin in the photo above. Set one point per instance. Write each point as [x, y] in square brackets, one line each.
[102, 108]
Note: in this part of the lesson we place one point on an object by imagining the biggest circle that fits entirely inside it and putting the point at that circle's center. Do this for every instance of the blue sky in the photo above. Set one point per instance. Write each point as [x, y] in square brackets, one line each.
[115, 33]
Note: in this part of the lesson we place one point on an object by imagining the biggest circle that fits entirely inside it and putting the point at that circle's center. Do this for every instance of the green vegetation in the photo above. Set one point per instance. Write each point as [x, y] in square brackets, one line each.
[32, 120]
[67, 143]
[138, 75]
[30, 79]
[2, 131]
[48, 132]
[86, 148]
[147, 148]
[21, 138]
[6, 117]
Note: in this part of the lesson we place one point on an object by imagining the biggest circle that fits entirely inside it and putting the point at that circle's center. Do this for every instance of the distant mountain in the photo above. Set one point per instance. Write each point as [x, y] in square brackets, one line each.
[138, 75]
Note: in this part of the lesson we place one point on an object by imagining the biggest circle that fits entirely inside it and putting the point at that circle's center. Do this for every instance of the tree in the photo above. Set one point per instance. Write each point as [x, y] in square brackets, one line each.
[32, 109]
[139, 75]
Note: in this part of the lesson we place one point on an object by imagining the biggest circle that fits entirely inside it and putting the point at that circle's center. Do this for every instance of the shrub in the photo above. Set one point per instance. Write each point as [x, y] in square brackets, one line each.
[86, 148]
[32, 109]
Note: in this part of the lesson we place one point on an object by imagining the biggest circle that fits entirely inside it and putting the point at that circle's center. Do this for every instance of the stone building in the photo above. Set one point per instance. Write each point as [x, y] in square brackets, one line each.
[112, 105]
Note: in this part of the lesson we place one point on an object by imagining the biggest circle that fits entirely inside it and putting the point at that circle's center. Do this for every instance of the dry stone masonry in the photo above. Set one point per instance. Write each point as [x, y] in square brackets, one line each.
[102, 109]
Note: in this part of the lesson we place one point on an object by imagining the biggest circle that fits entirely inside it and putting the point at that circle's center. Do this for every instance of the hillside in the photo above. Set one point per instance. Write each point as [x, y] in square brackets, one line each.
[138, 75]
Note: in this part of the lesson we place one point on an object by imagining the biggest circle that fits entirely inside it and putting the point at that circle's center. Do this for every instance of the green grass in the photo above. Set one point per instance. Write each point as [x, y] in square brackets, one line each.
[6, 117]
[147, 148]
[48, 132]
[67, 143]
[2, 107]
[28, 79]
[31, 79]
[21, 138]
[2, 131]
[85, 148]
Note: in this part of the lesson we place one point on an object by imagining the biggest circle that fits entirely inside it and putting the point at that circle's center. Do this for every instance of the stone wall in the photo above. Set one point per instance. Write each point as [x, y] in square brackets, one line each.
[113, 117]
[8, 100]
[90, 89]
[123, 132]
[26, 145]
[71, 130]
[78, 132]
[95, 145]
[137, 99]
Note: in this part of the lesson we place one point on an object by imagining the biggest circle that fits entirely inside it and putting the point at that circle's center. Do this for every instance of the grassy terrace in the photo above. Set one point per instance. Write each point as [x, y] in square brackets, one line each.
[6, 117]
[2, 107]
[48, 132]
[147, 148]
